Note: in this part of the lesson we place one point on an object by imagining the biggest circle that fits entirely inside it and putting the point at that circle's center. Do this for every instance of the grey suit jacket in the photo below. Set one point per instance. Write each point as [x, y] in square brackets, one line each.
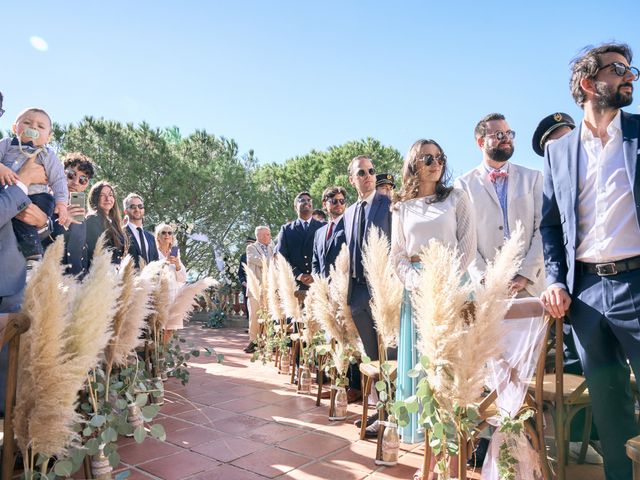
[12, 263]
[560, 192]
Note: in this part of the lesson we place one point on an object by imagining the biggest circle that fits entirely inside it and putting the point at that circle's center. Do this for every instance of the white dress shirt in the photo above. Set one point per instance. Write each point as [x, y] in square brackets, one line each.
[607, 224]
[134, 230]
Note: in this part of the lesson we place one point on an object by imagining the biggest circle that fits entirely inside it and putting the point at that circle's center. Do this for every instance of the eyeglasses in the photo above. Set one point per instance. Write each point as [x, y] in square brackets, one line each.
[500, 135]
[428, 159]
[71, 175]
[362, 173]
[336, 201]
[304, 200]
[166, 233]
[620, 69]
[134, 206]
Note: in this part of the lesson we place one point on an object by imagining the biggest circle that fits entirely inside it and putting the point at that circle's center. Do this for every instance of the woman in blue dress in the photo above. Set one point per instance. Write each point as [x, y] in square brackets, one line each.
[427, 209]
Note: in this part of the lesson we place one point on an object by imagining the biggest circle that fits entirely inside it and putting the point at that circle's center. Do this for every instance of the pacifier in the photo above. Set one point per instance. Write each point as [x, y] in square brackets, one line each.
[31, 133]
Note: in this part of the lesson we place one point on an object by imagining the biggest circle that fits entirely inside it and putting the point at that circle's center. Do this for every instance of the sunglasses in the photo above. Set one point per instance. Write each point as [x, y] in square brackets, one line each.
[620, 69]
[134, 206]
[166, 233]
[71, 175]
[500, 135]
[428, 159]
[362, 173]
[336, 201]
[304, 200]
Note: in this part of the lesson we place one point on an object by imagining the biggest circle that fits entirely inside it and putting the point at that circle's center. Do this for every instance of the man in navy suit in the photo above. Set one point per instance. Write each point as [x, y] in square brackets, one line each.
[330, 237]
[371, 209]
[142, 244]
[591, 238]
[295, 240]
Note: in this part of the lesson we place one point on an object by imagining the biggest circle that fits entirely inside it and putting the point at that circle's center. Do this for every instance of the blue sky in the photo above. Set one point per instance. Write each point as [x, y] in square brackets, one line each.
[285, 77]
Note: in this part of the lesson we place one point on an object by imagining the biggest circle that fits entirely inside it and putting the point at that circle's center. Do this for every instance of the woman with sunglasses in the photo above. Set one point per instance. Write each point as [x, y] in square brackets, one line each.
[426, 209]
[104, 217]
[169, 253]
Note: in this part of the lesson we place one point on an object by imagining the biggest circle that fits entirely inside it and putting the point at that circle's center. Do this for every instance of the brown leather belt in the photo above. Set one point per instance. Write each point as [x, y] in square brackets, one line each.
[610, 268]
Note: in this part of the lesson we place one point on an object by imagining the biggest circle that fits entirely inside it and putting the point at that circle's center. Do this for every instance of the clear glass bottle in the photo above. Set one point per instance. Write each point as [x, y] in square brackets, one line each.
[390, 442]
[304, 385]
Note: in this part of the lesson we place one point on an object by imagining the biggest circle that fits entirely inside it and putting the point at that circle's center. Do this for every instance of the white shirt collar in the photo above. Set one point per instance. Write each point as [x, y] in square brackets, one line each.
[336, 220]
[369, 198]
[503, 168]
[613, 129]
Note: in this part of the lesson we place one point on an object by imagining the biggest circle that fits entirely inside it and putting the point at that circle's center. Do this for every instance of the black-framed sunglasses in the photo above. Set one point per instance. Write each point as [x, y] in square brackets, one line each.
[304, 200]
[72, 174]
[362, 172]
[165, 232]
[134, 206]
[620, 69]
[336, 201]
[500, 135]
[428, 159]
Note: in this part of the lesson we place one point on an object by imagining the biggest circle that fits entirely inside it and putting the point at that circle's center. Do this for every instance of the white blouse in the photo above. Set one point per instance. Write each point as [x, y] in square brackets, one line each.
[181, 275]
[416, 222]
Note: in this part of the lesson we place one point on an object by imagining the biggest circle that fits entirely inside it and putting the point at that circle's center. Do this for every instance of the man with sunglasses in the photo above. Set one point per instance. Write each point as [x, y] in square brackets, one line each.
[503, 194]
[79, 170]
[295, 240]
[591, 236]
[142, 244]
[330, 237]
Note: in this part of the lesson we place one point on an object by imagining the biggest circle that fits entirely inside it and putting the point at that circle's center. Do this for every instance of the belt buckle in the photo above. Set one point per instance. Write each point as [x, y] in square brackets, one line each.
[606, 269]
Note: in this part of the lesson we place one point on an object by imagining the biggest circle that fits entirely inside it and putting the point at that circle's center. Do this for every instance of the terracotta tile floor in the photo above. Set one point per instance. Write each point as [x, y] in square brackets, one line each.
[242, 421]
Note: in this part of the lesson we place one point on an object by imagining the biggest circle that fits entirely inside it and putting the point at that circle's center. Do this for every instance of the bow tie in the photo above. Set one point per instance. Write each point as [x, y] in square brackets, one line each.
[494, 174]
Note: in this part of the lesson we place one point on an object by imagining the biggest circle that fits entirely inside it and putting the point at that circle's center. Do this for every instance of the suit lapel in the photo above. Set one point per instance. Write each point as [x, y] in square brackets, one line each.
[512, 184]
[572, 166]
[373, 211]
[486, 183]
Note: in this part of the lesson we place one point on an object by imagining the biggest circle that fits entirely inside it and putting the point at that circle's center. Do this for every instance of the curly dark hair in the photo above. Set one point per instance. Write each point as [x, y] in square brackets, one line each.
[588, 63]
[81, 161]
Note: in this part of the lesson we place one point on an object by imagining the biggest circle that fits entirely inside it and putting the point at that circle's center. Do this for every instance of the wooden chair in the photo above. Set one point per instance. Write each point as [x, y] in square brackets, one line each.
[488, 408]
[369, 374]
[11, 327]
[565, 393]
[633, 452]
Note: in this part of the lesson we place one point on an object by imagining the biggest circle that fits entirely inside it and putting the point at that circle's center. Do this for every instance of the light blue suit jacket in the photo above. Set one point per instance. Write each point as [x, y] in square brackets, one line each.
[12, 263]
[560, 192]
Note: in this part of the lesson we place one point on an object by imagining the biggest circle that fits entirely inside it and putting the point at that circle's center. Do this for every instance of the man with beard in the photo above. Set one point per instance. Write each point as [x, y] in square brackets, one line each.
[591, 237]
[503, 193]
[330, 237]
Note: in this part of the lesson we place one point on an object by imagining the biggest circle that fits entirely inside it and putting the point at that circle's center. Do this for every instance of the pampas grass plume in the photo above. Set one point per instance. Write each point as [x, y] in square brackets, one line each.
[274, 302]
[287, 290]
[185, 300]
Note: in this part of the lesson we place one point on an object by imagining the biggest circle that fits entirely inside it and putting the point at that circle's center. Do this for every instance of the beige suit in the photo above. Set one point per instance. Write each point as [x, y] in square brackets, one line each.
[255, 254]
[524, 204]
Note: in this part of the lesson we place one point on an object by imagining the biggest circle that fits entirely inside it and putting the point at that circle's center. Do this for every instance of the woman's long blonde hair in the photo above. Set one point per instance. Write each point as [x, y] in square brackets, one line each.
[410, 180]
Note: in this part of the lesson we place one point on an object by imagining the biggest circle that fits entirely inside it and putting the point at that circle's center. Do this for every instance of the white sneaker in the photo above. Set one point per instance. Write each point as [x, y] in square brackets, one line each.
[592, 457]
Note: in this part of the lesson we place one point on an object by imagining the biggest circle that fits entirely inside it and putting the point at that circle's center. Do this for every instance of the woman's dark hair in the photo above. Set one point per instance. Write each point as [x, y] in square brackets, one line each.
[410, 181]
[112, 224]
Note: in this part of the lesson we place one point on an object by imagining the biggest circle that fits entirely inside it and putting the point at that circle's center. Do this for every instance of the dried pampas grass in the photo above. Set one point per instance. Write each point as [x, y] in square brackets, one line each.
[185, 300]
[312, 325]
[457, 342]
[44, 411]
[159, 281]
[273, 295]
[339, 293]
[287, 290]
[129, 320]
[386, 289]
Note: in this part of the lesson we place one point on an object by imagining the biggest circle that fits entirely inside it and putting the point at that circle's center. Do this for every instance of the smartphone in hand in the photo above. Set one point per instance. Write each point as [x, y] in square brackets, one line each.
[174, 251]
[78, 199]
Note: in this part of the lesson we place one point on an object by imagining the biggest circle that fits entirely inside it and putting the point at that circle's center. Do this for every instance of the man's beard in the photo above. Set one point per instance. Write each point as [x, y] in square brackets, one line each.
[498, 154]
[608, 99]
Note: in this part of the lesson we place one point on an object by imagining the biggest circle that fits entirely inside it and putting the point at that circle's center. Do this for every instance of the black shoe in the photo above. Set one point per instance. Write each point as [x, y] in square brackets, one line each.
[370, 420]
[250, 348]
[477, 459]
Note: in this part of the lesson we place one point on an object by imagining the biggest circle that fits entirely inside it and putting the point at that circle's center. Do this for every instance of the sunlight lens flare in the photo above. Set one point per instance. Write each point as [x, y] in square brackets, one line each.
[39, 44]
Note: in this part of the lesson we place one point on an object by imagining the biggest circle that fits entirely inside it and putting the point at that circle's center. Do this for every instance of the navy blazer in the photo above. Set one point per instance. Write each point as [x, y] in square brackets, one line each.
[379, 215]
[296, 246]
[134, 248]
[560, 192]
[326, 251]
[12, 263]
[75, 257]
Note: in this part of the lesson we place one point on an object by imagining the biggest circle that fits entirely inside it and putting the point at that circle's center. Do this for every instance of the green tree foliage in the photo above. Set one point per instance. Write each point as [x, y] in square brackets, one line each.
[202, 184]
